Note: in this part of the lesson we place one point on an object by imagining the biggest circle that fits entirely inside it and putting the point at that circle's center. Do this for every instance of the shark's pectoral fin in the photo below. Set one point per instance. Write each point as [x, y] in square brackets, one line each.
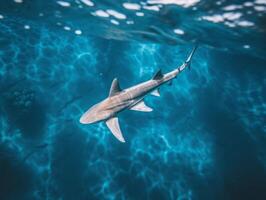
[155, 93]
[114, 127]
[141, 107]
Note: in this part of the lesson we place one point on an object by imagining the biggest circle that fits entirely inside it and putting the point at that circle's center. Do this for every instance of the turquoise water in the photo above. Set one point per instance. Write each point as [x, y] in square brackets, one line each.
[205, 138]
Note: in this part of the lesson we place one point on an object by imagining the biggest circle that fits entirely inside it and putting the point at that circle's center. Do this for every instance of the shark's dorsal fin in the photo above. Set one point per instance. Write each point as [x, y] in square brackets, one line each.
[114, 127]
[158, 75]
[115, 88]
[141, 106]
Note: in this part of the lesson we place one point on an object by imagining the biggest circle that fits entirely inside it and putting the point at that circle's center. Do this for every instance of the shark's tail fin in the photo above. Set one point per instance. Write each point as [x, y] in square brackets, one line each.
[188, 61]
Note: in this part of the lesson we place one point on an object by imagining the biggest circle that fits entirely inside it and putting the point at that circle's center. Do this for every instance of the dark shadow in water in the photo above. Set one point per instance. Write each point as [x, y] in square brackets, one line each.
[240, 174]
[25, 111]
[16, 181]
[70, 172]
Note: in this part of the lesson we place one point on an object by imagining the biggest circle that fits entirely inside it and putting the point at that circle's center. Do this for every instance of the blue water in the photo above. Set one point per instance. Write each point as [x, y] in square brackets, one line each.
[205, 139]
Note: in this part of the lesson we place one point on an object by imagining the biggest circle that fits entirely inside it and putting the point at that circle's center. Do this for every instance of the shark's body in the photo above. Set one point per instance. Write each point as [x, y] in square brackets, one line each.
[131, 98]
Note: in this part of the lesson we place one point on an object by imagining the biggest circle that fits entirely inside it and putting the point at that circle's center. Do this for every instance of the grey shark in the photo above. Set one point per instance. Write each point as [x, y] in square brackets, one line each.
[131, 98]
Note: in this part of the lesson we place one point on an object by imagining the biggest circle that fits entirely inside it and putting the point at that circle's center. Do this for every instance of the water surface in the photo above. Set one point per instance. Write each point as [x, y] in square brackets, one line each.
[205, 138]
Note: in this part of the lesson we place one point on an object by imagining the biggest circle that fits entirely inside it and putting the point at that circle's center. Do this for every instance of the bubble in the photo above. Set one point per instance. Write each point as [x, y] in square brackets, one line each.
[248, 4]
[184, 3]
[18, 1]
[116, 14]
[260, 8]
[114, 22]
[179, 31]
[87, 2]
[232, 7]
[260, 2]
[131, 6]
[101, 13]
[153, 8]
[245, 23]
[140, 14]
[27, 27]
[67, 28]
[78, 32]
[64, 3]
[130, 22]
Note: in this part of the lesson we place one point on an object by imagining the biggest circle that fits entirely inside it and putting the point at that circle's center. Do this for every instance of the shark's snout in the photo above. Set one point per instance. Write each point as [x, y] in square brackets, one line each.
[94, 115]
[89, 118]
[83, 120]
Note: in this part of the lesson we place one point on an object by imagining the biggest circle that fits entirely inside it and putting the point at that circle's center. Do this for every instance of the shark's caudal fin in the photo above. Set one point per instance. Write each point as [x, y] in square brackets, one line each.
[188, 61]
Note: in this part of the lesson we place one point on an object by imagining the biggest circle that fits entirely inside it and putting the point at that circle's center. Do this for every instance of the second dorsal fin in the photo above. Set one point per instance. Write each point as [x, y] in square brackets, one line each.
[158, 75]
[115, 88]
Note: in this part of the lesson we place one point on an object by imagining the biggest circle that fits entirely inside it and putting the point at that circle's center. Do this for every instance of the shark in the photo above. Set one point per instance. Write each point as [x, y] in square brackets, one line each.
[131, 98]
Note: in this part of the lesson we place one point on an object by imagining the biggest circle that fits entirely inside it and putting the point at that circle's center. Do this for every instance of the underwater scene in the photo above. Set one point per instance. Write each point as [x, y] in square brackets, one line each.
[205, 138]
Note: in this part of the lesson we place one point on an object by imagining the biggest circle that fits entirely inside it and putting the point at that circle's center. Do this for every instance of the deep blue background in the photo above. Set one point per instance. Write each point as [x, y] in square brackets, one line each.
[205, 139]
